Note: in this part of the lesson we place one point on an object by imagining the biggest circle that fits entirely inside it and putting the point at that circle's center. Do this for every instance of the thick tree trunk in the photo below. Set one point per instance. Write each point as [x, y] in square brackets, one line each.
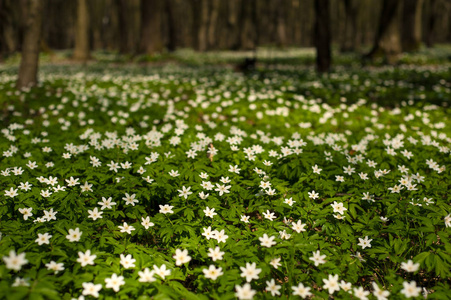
[173, 39]
[151, 35]
[351, 38]
[214, 13]
[322, 35]
[81, 51]
[387, 41]
[430, 23]
[28, 70]
[248, 35]
[281, 27]
[411, 25]
[200, 24]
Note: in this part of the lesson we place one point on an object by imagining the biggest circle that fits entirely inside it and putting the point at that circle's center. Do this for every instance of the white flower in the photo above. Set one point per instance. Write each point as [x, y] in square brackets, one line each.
[298, 227]
[448, 220]
[106, 203]
[26, 212]
[43, 238]
[162, 272]
[316, 169]
[181, 257]
[210, 212]
[220, 236]
[86, 258]
[289, 201]
[146, 222]
[338, 207]
[267, 241]
[379, 293]
[91, 289]
[409, 266]
[410, 289]
[130, 200]
[318, 258]
[364, 242]
[208, 234]
[11, 193]
[74, 235]
[126, 228]
[313, 195]
[244, 219]
[185, 192]
[272, 287]
[275, 262]
[250, 271]
[215, 254]
[361, 293]
[245, 292]
[146, 276]
[301, 290]
[212, 273]
[127, 261]
[95, 214]
[54, 266]
[114, 282]
[14, 261]
[269, 215]
[166, 209]
[331, 284]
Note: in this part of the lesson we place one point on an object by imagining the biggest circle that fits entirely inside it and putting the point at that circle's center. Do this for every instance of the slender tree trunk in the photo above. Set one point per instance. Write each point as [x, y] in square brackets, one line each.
[28, 70]
[281, 27]
[351, 39]
[81, 51]
[248, 31]
[200, 24]
[214, 12]
[322, 35]
[430, 23]
[151, 35]
[173, 39]
[411, 25]
[387, 41]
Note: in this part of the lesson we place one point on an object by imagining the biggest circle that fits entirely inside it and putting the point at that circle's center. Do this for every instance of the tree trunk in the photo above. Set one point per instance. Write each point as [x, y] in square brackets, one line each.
[81, 51]
[411, 25]
[281, 27]
[200, 24]
[173, 39]
[322, 35]
[387, 41]
[28, 70]
[248, 35]
[214, 12]
[351, 39]
[151, 35]
[430, 23]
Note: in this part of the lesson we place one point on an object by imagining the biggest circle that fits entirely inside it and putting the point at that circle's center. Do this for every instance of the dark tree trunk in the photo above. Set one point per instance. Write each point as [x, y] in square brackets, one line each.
[28, 70]
[214, 13]
[351, 38]
[172, 29]
[81, 51]
[248, 37]
[387, 41]
[430, 23]
[125, 43]
[200, 24]
[151, 35]
[322, 35]
[411, 25]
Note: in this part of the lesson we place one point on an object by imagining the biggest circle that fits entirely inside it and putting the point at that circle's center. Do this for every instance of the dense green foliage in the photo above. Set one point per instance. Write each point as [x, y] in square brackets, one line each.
[347, 174]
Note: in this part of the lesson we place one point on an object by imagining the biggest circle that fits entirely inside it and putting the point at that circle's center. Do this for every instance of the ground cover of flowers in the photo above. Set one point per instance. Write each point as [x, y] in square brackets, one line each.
[197, 183]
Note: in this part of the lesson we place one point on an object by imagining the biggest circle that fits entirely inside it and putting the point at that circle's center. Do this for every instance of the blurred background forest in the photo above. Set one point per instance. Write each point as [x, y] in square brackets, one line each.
[148, 28]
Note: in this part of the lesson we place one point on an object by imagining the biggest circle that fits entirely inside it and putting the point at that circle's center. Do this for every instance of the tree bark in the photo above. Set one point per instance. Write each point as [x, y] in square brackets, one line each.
[151, 35]
[351, 38]
[28, 70]
[411, 25]
[214, 12]
[81, 51]
[387, 42]
[322, 36]
[248, 37]
[430, 23]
